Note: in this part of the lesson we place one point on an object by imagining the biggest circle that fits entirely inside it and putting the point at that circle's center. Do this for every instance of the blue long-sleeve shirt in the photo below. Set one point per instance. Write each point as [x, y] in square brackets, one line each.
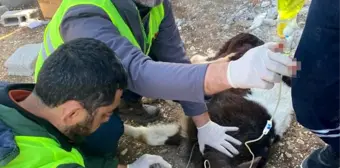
[171, 77]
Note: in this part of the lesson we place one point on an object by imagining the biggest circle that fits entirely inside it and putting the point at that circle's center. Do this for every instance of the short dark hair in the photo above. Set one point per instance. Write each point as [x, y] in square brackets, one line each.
[85, 70]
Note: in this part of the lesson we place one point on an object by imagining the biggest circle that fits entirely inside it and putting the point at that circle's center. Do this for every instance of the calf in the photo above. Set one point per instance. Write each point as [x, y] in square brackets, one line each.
[248, 109]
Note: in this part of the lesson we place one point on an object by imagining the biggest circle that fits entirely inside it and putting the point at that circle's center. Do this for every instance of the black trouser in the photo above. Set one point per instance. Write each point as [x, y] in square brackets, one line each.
[315, 91]
[130, 96]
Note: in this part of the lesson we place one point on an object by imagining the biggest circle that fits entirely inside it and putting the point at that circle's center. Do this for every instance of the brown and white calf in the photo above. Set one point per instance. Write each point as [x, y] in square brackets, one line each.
[248, 109]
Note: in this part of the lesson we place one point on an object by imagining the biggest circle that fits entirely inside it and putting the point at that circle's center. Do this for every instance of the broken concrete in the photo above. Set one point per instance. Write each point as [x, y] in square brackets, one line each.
[3, 9]
[22, 61]
[17, 17]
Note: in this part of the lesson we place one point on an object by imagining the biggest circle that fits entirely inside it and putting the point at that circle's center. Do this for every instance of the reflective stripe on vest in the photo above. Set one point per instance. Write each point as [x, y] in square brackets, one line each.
[53, 39]
[42, 152]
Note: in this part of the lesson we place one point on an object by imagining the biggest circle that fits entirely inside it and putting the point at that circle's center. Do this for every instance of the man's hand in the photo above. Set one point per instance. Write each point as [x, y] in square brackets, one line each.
[215, 136]
[147, 160]
[260, 67]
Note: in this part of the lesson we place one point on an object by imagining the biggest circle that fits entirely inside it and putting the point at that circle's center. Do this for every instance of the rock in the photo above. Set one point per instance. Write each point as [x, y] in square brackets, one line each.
[265, 4]
[281, 156]
[22, 61]
[163, 151]
[210, 51]
[124, 152]
[226, 27]
[272, 13]
[3, 9]
[269, 22]
[244, 23]
[257, 21]
[179, 22]
[288, 155]
[192, 48]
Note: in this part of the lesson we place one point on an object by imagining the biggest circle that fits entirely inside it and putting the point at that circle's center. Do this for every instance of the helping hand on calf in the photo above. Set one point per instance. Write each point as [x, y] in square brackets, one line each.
[147, 160]
[260, 67]
[215, 136]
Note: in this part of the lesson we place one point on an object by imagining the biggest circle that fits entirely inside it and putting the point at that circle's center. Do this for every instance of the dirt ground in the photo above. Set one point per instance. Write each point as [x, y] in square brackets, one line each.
[204, 28]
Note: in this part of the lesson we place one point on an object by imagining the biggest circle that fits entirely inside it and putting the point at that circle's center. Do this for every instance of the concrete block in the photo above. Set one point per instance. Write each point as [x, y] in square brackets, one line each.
[22, 61]
[17, 17]
[3, 9]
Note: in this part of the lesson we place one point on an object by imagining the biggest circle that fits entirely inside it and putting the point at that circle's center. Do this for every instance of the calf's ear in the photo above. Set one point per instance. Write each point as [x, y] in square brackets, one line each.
[247, 164]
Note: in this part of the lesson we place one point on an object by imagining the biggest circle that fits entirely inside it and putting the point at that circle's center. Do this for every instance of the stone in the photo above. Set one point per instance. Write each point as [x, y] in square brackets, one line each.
[244, 23]
[269, 22]
[3, 9]
[163, 151]
[258, 21]
[124, 152]
[17, 17]
[288, 155]
[265, 4]
[22, 61]
[299, 141]
[272, 13]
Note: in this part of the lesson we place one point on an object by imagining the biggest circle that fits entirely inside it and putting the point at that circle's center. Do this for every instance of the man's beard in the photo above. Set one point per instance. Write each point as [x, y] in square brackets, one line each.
[149, 3]
[79, 131]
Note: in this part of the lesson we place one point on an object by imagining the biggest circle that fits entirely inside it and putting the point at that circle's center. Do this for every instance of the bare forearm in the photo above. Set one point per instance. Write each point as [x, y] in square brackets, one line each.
[201, 120]
[215, 81]
[122, 166]
[216, 78]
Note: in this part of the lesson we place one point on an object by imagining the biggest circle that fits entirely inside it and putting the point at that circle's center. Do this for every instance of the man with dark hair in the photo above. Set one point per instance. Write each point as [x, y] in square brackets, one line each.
[78, 89]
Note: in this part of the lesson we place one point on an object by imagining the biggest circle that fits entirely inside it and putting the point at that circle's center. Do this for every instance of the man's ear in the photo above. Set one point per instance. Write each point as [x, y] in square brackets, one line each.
[72, 112]
[247, 164]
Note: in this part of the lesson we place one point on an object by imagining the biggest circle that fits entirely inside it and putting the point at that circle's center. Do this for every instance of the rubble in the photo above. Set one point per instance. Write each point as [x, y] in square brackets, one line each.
[265, 4]
[257, 21]
[21, 62]
[3, 9]
[261, 20]
[17, 17]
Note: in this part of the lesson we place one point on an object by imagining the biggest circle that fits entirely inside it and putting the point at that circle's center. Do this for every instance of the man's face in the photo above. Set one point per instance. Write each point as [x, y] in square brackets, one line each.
[82, 123]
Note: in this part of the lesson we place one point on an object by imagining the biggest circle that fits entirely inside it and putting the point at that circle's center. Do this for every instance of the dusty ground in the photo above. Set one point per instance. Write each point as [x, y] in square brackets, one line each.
[203, 26]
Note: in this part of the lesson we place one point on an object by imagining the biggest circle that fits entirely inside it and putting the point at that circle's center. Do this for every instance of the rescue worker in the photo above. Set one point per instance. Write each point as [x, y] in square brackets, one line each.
[144, 35]
[41, 124]
[315, 90]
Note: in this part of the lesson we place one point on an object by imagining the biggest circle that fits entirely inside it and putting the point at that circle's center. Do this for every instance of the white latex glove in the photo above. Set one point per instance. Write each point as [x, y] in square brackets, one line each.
[147, 160]
[259, 67]
[216, 137]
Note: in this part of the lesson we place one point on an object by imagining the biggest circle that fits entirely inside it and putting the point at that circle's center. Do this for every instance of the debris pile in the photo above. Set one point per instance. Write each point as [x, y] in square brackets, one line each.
[261, 20]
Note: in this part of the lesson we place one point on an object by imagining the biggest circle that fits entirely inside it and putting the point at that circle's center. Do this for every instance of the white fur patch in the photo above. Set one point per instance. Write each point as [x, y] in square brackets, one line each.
[269, 98]
[153, 135]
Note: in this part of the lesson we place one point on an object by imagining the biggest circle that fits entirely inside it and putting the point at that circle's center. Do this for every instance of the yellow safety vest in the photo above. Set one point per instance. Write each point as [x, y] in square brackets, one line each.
[53, 38]
[50, 154]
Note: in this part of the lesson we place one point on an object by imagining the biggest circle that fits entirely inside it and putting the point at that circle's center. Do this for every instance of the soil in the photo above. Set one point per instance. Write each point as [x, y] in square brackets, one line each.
[204, 26]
